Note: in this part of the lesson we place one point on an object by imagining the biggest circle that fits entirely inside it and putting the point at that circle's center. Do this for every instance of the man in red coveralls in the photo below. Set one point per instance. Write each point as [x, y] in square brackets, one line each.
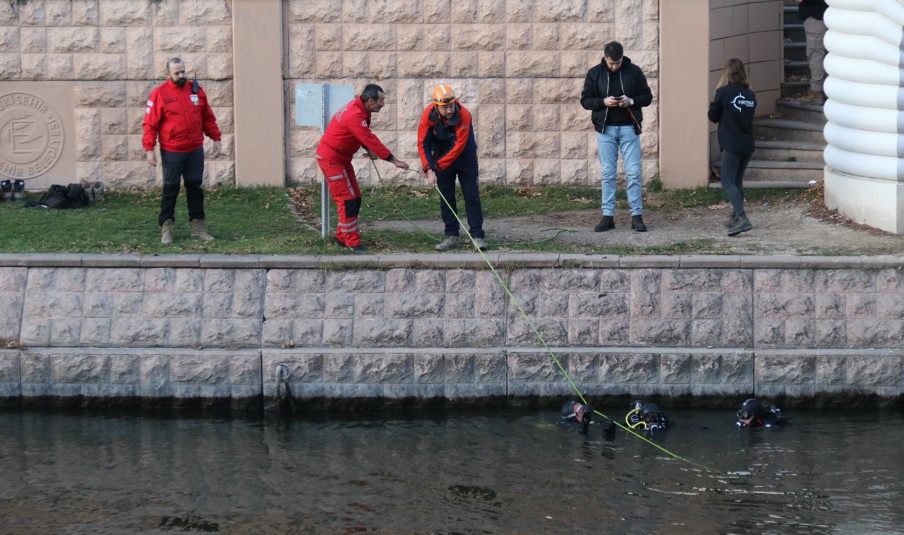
[179, 114]
[348, 131]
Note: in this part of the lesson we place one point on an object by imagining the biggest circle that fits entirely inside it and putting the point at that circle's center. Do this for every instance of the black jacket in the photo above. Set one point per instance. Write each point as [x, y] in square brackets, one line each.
[733, 108]
[812, 8]
[600, 80]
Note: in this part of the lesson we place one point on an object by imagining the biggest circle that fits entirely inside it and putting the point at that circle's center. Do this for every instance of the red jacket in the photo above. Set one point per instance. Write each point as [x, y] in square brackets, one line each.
[440, 141]
[180, 118]
[348, 131]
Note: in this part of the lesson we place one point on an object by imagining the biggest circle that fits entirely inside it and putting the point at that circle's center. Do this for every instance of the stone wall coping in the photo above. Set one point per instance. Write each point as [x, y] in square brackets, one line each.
[828, 352]
[609, 350]
[138, 351]
[525, 350]
[447, 261]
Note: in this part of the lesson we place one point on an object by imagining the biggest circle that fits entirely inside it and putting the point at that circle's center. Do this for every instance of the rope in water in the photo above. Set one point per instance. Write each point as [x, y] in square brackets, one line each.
[542, 340]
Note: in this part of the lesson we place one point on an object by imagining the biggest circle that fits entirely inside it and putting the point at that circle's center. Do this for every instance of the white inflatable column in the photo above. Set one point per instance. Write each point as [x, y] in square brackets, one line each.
[864, 142]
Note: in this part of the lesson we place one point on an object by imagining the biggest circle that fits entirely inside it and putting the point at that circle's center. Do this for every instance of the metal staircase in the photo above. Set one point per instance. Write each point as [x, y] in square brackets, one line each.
[790, 142]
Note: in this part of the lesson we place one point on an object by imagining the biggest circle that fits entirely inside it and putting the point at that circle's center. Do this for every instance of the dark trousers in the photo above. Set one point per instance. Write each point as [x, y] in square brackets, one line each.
[466, 170]
[732, 170]
[176, 167]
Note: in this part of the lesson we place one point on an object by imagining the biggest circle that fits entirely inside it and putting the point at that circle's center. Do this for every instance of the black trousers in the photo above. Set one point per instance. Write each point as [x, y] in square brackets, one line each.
[465, 167]
[176, 167]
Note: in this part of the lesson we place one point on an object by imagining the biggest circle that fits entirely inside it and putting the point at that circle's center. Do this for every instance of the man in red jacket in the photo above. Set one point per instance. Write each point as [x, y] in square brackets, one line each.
[348, 131]
[448, 149]
[179, 114]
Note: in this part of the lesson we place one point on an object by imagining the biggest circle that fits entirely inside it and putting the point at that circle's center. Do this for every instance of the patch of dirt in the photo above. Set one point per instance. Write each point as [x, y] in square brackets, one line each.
[800, 227]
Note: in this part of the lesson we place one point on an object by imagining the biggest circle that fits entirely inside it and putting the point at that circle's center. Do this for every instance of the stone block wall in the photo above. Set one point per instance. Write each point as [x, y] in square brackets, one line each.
[201, 328]
[113, 53]
[518, 65]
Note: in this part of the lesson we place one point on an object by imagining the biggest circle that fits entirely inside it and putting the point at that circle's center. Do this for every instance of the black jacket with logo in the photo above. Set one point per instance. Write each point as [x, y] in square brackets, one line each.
[733, 108]
[601, 82]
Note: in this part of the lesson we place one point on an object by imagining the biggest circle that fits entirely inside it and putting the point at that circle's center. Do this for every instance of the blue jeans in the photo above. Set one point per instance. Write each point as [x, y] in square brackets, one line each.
[609, 142]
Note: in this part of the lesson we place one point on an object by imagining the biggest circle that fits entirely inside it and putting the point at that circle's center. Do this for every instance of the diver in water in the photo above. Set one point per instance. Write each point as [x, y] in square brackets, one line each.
[646, 416]
[754, 414]
[575, 412]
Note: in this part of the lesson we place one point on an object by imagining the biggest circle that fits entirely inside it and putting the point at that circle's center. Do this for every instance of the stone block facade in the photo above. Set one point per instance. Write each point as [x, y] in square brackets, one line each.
[113, 53]
[196, 328]
[518, 65]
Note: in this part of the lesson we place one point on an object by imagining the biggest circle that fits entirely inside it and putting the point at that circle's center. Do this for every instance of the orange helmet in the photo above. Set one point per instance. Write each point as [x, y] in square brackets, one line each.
[443, 95]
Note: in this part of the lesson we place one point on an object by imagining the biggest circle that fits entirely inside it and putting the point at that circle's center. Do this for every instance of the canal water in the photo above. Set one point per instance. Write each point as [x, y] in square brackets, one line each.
[488, 472]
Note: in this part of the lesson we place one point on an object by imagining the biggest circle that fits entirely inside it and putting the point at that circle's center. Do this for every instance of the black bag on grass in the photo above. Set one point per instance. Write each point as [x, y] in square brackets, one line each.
[62, 197]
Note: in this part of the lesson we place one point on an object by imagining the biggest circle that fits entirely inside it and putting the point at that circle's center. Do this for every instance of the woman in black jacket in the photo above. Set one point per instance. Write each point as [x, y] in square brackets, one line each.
[733, 108]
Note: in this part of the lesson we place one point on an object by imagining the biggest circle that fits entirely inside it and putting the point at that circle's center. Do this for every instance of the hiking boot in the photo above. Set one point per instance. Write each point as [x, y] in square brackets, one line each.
[337, 243]
[18, 190]
[358, 249]
[166, 234]
[731, 221]
[742, 225]
[606, 223]
[451, 242]
[637, 223]
[481, 244]
[199, 230]
[7, 188]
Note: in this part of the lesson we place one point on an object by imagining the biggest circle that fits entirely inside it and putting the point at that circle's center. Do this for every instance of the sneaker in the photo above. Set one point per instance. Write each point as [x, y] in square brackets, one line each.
[743, 225]
[451, 242]
[731, 221]
[481, 244]
[18, 190]
[606, 223]
[7, 188]
[637, 223]
[814, 98]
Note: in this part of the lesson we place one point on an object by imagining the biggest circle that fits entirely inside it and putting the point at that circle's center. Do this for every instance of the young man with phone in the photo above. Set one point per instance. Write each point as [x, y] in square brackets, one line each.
[614, 92]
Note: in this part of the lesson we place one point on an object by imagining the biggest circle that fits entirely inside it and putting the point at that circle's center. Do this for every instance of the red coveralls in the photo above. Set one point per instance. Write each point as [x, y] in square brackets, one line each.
[348, 131]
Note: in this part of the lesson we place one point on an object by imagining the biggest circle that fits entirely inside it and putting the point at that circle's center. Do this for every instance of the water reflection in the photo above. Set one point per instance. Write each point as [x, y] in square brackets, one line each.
[497, 472]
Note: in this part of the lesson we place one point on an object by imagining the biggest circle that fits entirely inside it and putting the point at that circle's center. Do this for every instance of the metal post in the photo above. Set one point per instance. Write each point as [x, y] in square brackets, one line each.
[324, 190]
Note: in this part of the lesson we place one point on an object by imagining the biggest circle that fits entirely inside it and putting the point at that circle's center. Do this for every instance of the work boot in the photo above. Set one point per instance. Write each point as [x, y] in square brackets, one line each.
[732, 220]
[7, 188]
[358, 249]
[451, 242]
[166, 234]
[637, 223]
[199, 231]
[481, 244]
[606, 223]
[742, 225]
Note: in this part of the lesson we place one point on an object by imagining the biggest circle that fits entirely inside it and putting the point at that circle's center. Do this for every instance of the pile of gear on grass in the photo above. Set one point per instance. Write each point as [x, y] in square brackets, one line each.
[57, 196]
